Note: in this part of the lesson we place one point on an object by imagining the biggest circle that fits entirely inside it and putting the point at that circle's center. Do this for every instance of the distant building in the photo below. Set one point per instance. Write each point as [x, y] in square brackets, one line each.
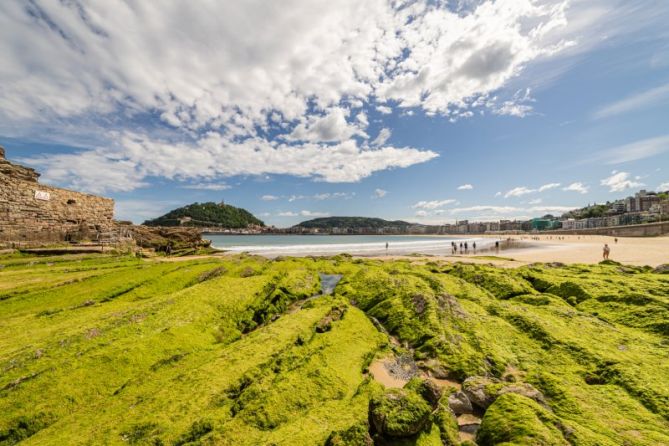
[642, 201]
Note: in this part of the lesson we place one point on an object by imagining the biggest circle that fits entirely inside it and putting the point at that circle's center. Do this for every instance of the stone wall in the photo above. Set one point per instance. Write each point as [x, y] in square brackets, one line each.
[34, 214]
[642, 230]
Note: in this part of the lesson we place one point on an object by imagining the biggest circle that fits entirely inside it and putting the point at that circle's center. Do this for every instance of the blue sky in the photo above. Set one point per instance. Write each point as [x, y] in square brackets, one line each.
[423, 111]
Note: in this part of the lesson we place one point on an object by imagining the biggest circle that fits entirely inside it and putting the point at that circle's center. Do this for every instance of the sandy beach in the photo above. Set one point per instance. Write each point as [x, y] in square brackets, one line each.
[652, 251]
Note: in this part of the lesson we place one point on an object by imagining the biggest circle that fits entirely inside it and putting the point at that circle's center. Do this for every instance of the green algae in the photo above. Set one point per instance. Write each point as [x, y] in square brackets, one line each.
[516, 420]
[117, 350]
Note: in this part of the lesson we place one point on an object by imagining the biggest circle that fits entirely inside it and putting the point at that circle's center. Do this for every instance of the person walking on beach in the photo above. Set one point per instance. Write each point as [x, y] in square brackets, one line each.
[386, 248]
[474, 247]
[616, 240]
[606, 252]
[496, 245]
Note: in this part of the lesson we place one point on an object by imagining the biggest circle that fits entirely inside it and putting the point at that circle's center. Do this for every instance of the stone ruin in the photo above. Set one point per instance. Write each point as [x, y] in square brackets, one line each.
[33, 214]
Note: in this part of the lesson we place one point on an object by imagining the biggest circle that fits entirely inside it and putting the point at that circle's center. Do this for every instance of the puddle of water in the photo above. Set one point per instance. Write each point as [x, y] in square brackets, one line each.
[329, 282]
[380, 371]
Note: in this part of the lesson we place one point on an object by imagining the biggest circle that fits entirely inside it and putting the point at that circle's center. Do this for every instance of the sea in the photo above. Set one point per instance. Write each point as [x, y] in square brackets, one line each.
[359, 245]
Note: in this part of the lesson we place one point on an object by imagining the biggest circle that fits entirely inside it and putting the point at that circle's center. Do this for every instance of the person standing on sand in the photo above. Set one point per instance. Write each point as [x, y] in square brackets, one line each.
[386, 248]
[607, 251]
[616, 240]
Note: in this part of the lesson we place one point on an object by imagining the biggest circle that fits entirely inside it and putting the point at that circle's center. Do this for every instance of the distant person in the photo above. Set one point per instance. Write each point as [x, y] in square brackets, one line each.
[386, 247]
[466, 248]
[616, 240]
[496, 245]
[474, 247]
[606, 252]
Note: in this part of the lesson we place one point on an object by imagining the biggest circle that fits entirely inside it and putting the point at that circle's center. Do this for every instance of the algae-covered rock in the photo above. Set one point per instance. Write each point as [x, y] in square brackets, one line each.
[399, 413]
[356, 435]
[482, 391]
[427, 389]
[524, 389]
[572, 292]
[516, 420]
[502, 284]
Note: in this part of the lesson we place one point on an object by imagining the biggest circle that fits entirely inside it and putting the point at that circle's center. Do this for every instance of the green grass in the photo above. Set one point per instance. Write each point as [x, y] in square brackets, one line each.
[116, 350]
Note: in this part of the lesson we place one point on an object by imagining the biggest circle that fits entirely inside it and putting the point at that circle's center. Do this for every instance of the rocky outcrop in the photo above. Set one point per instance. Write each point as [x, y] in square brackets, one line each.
[662, 269]
[33, 214]
[162, 239]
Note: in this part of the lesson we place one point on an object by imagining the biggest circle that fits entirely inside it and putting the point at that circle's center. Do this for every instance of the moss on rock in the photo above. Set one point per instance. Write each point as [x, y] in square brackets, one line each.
[516, 420]
[399, 413]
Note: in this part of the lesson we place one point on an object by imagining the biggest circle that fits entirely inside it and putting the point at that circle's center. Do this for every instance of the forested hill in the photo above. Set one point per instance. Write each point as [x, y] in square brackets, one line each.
[207, 215]
[351, 222]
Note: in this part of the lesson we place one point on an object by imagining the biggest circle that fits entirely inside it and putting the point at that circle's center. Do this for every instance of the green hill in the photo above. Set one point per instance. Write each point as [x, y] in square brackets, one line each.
[206, 215]
[351, 222]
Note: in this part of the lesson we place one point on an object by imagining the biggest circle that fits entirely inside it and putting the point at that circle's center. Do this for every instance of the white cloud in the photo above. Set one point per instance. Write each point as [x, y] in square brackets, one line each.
[548, 186]
[313, 214]
[379, 193]
[517, 106]
[649, 98]
[486, 208]
[331, 127]
[522, 190]
[465, 187]
[636, 150]
[535, 201]
[380, 140]
[434, 204]
[207, 186]
[219, 90]
[303, 213]
[519, 191]
[504, 211]
[95, 171]
[317, 197]
[214, 156]
[664, 186]
[619, 181]
[577, 187]
[498, 194]
[421, 214]
[139, 211]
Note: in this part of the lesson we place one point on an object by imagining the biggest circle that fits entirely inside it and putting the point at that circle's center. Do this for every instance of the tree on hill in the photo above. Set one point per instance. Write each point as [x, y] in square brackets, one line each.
[207, 215]
[351, 222]
[596, 210]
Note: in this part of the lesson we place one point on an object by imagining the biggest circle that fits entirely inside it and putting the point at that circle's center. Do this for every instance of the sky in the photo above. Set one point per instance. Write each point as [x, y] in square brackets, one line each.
[426, 111]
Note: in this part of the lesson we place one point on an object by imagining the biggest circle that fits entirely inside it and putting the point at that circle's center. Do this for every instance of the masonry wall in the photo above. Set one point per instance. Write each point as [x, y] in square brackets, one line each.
[642, 230]
[34, 214]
